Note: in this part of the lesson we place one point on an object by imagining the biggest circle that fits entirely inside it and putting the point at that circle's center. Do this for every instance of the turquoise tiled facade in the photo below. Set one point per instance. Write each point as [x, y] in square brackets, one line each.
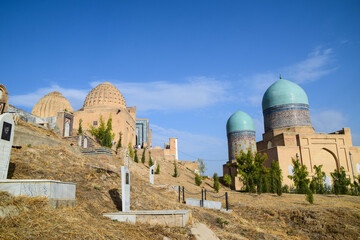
[240, 141]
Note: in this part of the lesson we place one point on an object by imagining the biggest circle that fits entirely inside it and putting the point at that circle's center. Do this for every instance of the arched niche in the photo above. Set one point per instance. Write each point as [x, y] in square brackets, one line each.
[269, 145]
[326, 158]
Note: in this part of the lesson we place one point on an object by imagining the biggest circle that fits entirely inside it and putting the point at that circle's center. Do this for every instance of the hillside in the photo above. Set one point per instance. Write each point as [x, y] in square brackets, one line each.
[265, 216]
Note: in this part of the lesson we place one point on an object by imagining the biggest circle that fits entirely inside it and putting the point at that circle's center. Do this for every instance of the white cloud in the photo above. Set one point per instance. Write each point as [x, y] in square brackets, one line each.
[76, 97]
[317, 65]
[328, 120]
[196, 92]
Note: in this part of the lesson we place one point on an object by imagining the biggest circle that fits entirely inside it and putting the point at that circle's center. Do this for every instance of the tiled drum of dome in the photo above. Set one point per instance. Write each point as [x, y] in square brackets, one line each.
[287, 115]
[241, 141]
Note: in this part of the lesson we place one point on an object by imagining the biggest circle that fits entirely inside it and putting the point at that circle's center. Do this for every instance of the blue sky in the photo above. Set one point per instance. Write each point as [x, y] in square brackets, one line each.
[187, 65]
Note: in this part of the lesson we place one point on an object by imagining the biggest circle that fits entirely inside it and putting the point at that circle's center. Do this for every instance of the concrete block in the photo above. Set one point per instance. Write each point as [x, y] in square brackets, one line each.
[207, 203]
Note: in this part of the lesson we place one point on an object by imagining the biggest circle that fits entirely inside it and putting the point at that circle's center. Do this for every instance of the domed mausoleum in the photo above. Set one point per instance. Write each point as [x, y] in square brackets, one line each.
[105, 101]
[285, 104]
[240, 133]
[50, 105]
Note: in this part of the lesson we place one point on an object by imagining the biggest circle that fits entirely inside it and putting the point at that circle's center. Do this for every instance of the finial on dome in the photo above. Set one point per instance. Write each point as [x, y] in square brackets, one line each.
[280, 76]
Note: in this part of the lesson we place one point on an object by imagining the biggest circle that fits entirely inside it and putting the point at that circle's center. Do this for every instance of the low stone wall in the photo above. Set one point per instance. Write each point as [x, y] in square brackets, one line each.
[59, 193]
[206, 203]
[171, 218]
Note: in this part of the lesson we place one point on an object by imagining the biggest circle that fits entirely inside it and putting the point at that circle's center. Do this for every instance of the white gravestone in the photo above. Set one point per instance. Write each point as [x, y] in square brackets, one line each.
[6, 140]
[125, 188]
[152, 173]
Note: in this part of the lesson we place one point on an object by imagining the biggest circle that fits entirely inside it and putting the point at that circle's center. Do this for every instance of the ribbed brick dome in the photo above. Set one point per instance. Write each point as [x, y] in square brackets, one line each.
[51, 104]
[104, 95]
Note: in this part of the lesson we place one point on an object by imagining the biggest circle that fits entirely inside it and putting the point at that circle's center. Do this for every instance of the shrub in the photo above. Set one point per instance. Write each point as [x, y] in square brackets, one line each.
[285, 189]
[227, 180]
[198, 179]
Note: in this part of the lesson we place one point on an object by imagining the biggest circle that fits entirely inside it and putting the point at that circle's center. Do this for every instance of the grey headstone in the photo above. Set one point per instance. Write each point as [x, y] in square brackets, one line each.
[152, 173]
[125, 188]
[6, 139]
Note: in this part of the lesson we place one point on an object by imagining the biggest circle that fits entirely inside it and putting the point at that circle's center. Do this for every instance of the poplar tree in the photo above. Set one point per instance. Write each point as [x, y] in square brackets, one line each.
[157, 169]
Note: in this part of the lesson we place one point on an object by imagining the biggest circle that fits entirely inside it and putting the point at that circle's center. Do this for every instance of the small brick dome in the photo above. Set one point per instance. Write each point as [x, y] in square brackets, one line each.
[51, 104]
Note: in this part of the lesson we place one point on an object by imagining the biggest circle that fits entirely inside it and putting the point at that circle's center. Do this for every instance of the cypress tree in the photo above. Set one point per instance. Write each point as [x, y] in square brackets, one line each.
[198, 179]
[136, 158]
[299, 177]
[340, 181]
[143, 156]
[216, 182]
[150, 160]
[157, 169]
[175, 170]
[80, 130]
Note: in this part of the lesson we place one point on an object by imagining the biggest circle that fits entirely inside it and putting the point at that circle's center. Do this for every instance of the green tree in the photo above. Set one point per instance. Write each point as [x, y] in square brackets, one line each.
[157, 171]
[317, 181]
[119, 145]
[150, 159]
[227, 180]
[175, 170]
[340, 181]
[299, 177]
[251, 170]
[80, 130]
[198, 179]
[202, 167]
[136, 158]
[275, 178]
[143, 156]
[103, 133]
[216, 182]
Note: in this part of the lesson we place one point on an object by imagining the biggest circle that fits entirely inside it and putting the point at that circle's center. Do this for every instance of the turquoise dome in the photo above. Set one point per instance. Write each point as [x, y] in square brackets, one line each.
[239, 121]
[284, 92]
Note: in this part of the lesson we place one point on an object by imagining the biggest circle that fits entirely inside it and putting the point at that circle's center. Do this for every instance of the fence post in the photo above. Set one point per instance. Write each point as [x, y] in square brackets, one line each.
[179, 192]
[202, 198]
[227, 202]
[205, 193]
[183, 194]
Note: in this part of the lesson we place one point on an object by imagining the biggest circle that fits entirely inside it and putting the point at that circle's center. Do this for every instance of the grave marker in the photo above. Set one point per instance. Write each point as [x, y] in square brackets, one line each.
[125, 188]
[152, 173]
[6, 140]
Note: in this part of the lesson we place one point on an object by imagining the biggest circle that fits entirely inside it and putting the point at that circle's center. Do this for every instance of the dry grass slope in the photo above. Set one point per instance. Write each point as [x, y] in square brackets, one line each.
[265, 216]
